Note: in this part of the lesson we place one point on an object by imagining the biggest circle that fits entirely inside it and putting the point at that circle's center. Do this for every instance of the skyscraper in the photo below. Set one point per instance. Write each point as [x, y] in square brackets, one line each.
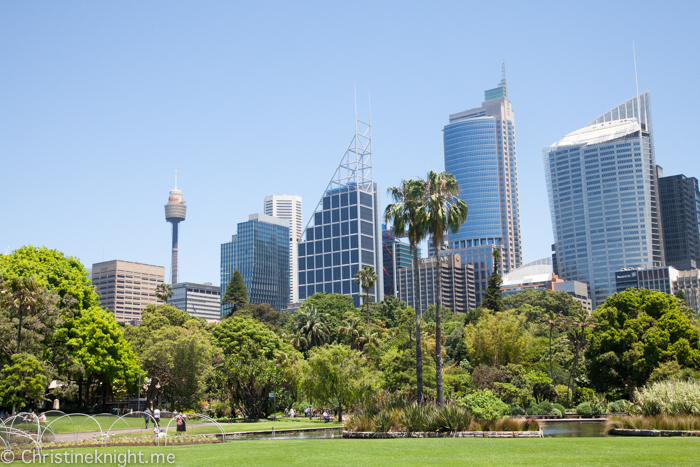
[603, 198]
[260, 252]
[680, 214]
[199, 300]
[344, 234]
[480, 153]
[175, 212]
[396, 255]
[288, 207]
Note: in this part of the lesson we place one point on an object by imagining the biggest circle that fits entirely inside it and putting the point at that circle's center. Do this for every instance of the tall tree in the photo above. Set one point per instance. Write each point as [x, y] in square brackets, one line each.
[366, 278]
[552, 322]
[444, 212]
[406, 215]
[311, 328]
[493, 298]
[21, 380]
[577, 334]
[236, 292]
[164, 292]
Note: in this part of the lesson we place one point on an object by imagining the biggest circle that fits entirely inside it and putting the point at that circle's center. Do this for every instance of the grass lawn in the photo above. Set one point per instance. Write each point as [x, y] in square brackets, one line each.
[435, 452]
[196, 428]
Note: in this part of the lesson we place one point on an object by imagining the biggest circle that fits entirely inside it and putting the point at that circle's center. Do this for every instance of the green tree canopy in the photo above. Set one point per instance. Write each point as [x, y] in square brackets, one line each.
[398, 372]
[233, 334]
[497, 339]
[493, 297]
[337, 376]
[23, 380]
[636, 331]
[236, 292]
[543, 301]
[52, 270]
[391, 310]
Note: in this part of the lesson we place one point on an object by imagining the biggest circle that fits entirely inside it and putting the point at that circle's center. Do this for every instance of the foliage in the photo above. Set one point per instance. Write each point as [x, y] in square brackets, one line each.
[22, 379]
[391, 310]
[493, 297]
[670, 397]
[497, 339]
[619, 406]
[516, 410]
[310, 327]
[653, 422]
[398, 369]
[584, 409]
[338, 376]
[334, 307]
[273, 319]
[543, 408]
[536, 303]
[232, 335]
[638, 330]
[366, 278]
[236, 292]
[559, 407]
[164, 292]
[485, 405]
[53, 271]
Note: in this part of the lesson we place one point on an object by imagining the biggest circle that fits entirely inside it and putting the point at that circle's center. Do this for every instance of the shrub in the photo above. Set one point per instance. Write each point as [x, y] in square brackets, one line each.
[563, 393]
[670, 397]
[559, 407]
[556, 412]
[543, 408]
[619, 406]
[584, 409]
[484, 405]
[516, 410]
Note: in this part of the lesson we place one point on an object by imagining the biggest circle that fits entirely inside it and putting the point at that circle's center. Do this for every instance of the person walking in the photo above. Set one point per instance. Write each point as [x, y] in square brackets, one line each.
[181, 424]
[156, 415]
[146, 416]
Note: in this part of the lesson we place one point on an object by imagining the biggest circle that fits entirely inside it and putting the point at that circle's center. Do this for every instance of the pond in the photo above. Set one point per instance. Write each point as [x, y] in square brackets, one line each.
[574, 429]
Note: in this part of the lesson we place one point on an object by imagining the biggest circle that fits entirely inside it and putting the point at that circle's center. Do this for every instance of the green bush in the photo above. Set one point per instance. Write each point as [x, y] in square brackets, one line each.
[560, 407]
[670, 397]
[557, 413]
[543, 408]
[485, 405]
[516, 410]
[618, 406]
[584, 409]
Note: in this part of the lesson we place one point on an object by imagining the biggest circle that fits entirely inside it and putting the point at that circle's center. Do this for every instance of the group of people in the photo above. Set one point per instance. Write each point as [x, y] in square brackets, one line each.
[180, 420]
[309, 412]
[30, 416]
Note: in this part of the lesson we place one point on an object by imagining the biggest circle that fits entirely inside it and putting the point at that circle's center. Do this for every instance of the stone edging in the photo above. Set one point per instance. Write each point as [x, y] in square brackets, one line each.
[658, 433]
[430, 434]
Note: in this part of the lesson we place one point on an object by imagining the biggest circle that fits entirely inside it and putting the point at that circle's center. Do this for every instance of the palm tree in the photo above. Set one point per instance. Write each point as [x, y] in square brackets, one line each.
[352, 329]
[580, 321]
[366, 278]
[406, 217]
[310, 325]
[552, 321]
[24, 297]
[164, 292]
[444, 211]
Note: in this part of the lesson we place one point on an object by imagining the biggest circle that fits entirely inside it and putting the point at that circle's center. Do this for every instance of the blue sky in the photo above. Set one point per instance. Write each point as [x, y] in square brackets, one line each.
[100, 102]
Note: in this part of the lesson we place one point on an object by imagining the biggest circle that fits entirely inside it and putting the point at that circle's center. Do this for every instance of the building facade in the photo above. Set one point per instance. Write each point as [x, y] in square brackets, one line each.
[260, 252]
[397, 255]
[199, 300]
[665, 279]
[480, 152]
[126, 288]
[680, 214]
[344, 234]
[603, 192]
[289, 207]
[457, 281]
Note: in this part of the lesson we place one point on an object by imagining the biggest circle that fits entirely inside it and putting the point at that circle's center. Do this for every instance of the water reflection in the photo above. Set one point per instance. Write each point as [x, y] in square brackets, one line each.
[559, 429]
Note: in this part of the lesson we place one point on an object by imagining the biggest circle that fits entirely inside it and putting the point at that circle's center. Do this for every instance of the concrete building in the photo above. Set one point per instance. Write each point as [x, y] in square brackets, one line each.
[260, 252]
[289, 207]
[344, 234]
[665, 279]
[457, 282]
[126, 288]
[397, 255]
[199, 300]
[539, 275]
[480, 153]
[679, 197]
[175, 212]
[603, 198]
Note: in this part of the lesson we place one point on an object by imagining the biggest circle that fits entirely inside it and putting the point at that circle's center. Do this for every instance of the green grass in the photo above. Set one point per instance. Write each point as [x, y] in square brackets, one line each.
[196, 428]
[435, 452]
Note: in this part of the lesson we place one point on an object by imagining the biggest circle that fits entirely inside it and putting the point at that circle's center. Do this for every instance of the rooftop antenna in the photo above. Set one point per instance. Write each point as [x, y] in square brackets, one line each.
[503, 67]
[176, 179]
[636, 84]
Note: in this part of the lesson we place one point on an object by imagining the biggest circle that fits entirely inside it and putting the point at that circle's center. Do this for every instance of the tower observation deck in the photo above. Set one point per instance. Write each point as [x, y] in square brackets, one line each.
[175, 212]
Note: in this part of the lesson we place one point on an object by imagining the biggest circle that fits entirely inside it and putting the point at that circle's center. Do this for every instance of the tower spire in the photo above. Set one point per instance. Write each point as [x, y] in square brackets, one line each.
[176, 179]
[503, 68]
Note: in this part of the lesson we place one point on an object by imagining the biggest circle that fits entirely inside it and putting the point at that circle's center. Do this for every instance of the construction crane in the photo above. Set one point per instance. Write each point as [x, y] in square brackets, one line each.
[7, 251]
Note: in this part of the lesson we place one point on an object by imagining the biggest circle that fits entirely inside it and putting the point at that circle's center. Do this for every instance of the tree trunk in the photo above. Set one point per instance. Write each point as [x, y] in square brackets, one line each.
[340, 411]
[19, 328]
[419, 353]
[438, 330]
[550, 354]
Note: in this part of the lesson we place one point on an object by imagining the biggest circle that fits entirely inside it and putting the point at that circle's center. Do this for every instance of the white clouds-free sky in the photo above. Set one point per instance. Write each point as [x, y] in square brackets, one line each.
[100, 102]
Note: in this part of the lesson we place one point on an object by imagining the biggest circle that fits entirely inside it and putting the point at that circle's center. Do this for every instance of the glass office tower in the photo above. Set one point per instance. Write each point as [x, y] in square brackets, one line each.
[344, 234]
[680, 214]
[603, 198]
[480, 153]
[260, 252]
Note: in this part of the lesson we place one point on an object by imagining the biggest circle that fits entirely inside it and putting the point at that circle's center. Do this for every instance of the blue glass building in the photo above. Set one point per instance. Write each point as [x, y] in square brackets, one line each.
[603, 197]
[480, 153]
[260, 251]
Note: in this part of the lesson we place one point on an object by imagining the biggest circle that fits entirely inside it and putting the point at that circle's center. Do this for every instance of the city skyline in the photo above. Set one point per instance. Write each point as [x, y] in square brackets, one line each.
[116, 115]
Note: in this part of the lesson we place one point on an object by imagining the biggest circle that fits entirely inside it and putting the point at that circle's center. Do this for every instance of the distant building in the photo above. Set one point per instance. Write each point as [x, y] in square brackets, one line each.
[397, 255]
[679, 197]
[199, 300]
[260, 252]
[480, 152]
[457, 281]
[126, 288]
[665, 279]
[539, 275]
[289, 207]
[603, 197]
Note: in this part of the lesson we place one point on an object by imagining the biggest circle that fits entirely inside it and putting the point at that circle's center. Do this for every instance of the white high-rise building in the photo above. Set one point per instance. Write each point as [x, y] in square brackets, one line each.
[288, 207]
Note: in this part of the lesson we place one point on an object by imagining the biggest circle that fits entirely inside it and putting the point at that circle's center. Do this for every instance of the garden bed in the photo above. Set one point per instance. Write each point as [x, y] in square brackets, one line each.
[433, 434]
[656, 433]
